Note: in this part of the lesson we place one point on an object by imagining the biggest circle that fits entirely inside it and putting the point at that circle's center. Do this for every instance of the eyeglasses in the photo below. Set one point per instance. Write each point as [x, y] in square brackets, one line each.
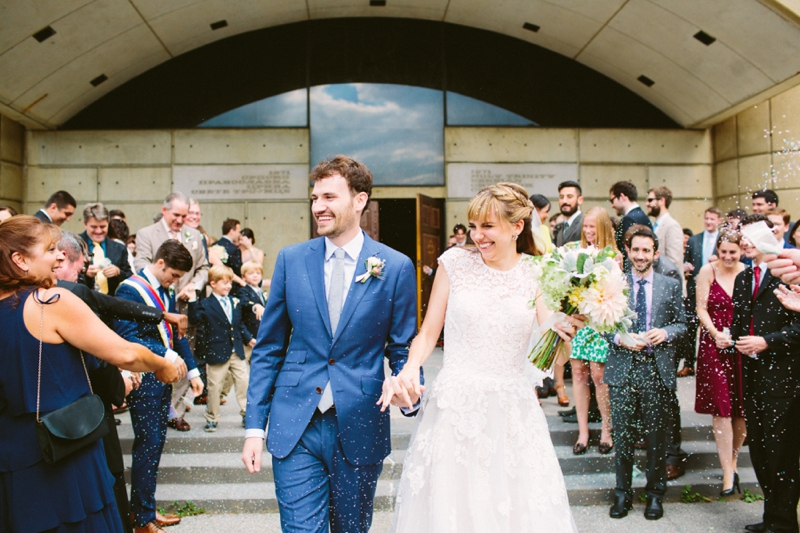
[611, 200]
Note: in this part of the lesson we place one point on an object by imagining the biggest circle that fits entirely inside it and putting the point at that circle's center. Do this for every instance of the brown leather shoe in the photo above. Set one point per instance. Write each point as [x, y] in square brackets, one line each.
[168, 519]
[675, 471]
[179, 423]
[685, 372]
[150, 527]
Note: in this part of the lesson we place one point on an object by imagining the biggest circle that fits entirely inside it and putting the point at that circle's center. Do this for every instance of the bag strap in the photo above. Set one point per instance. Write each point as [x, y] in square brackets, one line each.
[53, 299]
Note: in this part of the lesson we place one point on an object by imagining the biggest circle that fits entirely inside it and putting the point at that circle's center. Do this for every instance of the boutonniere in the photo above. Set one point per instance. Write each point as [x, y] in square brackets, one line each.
[375, 268]
[221, 252]
[171, 291]
[235, 302]
[187, 235]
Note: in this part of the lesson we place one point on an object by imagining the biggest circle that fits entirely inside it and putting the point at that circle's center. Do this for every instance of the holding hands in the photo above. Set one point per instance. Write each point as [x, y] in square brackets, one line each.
[402, 390]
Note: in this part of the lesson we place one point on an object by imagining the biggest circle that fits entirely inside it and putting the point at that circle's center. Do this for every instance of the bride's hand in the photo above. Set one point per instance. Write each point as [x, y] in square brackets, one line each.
[570, 326]
[402, 390]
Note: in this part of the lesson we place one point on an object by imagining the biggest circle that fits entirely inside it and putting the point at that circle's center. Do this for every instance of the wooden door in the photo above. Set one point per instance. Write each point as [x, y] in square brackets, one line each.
[429, 247]
[369, 222]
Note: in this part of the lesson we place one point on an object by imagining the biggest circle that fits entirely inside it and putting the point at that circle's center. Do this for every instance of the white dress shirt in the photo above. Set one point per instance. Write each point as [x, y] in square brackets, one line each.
[709, 243]
[351, 252]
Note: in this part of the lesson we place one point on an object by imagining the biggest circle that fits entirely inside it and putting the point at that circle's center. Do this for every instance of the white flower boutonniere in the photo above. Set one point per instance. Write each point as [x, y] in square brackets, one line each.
[172, 291]
[187, 236]
[375, 268]
[221, 253]
[235, 302]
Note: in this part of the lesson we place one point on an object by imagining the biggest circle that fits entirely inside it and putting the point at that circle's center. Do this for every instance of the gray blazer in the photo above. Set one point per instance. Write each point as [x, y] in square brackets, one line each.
[572, 234]
[667, 314]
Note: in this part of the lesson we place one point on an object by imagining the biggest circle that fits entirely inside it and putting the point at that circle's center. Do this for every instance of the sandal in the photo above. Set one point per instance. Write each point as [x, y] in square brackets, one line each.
[563, 399]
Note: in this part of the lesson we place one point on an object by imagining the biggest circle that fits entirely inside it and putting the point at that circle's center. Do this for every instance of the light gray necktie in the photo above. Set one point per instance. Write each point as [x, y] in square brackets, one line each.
[335, 298]
[226, 306]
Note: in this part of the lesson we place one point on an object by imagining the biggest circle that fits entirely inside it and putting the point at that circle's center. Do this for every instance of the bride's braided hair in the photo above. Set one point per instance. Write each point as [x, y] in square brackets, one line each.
[509, 202]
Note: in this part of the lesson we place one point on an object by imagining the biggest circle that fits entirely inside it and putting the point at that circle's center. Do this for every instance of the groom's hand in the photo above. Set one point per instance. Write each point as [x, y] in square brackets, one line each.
[251, 455]
[403, 390]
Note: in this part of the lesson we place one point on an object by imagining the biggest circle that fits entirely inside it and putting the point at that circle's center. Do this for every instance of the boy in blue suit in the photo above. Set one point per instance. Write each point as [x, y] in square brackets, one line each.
[220, 340]
[338, 306]
[150, 403]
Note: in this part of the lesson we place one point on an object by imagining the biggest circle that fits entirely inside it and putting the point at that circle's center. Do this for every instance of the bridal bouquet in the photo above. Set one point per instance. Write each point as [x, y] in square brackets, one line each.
[584, 281]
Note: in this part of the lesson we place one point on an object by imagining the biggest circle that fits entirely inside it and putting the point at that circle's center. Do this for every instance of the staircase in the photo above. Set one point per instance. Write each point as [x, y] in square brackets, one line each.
[206, 468]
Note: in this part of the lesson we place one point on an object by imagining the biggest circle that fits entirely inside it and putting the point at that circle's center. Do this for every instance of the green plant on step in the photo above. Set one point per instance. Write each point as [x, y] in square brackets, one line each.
[750, 497]
[687, 496]
[186, 508]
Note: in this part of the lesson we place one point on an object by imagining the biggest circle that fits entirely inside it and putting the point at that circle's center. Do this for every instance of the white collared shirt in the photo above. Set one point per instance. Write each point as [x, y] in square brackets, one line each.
[352, 250]
[709, 243]
[571, 219]
[47, 215]
[170, 232]
[222, 305]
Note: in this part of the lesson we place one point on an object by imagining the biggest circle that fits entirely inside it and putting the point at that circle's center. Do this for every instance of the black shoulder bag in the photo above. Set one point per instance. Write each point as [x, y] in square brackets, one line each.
[73, 427]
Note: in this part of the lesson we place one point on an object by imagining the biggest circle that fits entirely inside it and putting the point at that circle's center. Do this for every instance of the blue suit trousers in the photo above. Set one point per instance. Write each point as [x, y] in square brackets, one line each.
[317, 486]
[149, 415]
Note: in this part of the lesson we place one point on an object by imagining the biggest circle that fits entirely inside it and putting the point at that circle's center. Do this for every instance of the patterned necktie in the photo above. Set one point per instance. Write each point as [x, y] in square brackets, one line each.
[641, 307]
[100, 281]
[564, 230]
[335, 299]
[756, 285]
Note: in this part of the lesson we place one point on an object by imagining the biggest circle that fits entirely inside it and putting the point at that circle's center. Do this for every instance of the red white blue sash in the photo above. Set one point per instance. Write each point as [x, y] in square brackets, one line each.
[152, 299]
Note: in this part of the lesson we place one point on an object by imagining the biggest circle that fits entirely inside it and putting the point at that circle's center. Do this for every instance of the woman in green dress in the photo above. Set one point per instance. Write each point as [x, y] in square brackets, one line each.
[590, 349]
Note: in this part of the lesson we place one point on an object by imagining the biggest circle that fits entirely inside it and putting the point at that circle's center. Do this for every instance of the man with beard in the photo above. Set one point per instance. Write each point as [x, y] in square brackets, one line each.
[570, 200]
[622, 197]
[666, 228]
[641, 376]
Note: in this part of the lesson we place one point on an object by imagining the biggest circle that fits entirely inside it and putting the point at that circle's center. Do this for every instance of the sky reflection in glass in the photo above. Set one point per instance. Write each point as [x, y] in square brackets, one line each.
[466, 111]
[283, 110]
[396, 130]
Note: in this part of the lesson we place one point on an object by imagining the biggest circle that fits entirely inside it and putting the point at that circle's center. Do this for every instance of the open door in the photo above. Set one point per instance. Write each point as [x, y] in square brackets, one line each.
[429, 247]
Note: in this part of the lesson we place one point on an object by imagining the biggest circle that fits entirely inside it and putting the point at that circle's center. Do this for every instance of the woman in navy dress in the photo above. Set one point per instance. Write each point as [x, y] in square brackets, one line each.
[75, 494]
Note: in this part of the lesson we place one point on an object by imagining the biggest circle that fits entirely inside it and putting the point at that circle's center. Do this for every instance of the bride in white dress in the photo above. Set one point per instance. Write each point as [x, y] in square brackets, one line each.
[481, 458]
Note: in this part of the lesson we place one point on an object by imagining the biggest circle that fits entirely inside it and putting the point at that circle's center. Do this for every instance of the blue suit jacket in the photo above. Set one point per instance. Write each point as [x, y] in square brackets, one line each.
[249, 298]
[148, 335]
[217, 338]
[297, 353]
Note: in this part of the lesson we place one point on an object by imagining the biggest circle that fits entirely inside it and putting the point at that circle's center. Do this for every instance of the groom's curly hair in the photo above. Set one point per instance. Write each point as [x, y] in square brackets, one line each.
[358, 176]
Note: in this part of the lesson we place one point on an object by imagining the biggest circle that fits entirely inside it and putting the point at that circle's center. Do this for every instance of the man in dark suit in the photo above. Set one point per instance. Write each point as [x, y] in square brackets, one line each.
[768, 337]
[231, 231]
[107, 381]
[570, 199]
[641, 374]
[57, 209]
[109, 264]
[699, 250]
[150, 403]
[623, 196]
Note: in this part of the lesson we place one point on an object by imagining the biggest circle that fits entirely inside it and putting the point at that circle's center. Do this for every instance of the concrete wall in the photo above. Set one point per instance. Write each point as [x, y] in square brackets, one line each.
[12, 158]
[133, 171]
[678, 159]
[758, 148]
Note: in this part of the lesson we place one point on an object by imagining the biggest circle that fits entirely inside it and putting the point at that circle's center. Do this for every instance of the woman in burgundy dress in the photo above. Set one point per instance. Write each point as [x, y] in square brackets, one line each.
[719, 372]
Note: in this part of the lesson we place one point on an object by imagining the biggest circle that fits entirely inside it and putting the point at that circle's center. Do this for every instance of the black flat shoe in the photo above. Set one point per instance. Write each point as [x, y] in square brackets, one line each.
[579, 449]
[734, 487]
[653, 509]
[567, 412]
[756, 528]
[605, 448]
[622, 504]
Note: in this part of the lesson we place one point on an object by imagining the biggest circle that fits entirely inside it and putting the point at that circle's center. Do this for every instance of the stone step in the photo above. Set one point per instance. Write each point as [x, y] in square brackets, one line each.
[583, 489]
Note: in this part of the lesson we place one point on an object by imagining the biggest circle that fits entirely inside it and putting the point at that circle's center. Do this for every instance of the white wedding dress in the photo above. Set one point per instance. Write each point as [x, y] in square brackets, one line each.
[481, 459]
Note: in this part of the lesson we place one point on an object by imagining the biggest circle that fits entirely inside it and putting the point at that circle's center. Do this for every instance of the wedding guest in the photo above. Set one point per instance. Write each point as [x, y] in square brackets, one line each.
[794, 235]
[194, 218]
[221, 336]
[768, 336]
[460, 232]
[542, 206]
[109, 259]
[556, 223]
[666, 228]
[58, 209]
[590, 349]
[116, 214]
[6, 212]
[687, 234]
[699, 250]
[734, 217]
[780, 225]
[641, 376]
[231, 232]
[763, 200]
[719, 372]
[76, 492]
[570, 199]
[247, 241]
[118, 232]
[622, 197]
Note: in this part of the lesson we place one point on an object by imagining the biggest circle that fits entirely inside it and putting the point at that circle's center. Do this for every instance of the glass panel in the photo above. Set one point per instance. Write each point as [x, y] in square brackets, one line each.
[466, 111]
[283, 110]
[396, 130]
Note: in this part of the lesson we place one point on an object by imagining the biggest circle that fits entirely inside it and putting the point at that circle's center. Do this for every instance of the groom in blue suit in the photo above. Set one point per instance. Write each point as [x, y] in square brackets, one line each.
[317, 368]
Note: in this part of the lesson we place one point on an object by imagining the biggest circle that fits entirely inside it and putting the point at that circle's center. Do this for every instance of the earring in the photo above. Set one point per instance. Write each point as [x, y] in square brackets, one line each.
[515, 236]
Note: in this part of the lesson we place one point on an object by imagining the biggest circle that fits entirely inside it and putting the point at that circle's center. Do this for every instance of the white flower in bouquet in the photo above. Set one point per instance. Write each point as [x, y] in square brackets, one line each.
[221, 252]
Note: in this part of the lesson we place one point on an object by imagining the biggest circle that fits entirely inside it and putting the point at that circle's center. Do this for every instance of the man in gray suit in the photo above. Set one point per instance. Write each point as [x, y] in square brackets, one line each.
[569, 201]
[641, 376]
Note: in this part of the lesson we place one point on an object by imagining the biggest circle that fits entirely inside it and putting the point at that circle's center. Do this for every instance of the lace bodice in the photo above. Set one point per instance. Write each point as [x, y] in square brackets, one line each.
[488, 322]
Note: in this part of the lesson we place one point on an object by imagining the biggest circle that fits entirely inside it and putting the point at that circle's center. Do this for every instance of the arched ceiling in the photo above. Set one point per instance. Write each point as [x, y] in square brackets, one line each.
[98, 45]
